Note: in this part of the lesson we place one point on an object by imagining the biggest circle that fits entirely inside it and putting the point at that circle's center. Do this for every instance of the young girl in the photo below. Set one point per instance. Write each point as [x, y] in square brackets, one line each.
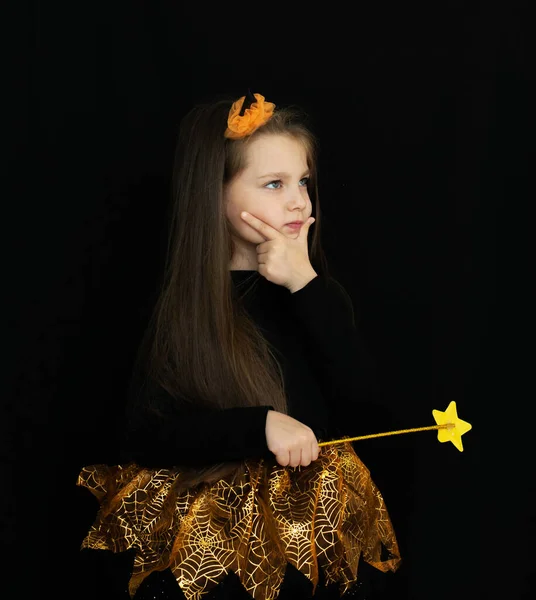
[251, 358]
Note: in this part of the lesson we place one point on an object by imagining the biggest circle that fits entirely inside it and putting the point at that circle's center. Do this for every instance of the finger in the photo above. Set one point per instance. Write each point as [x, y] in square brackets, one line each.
[304, 230]
[283, 458]
[314, 451]
[261, 248]
[261, 226]
[295, 456]
[305, 457]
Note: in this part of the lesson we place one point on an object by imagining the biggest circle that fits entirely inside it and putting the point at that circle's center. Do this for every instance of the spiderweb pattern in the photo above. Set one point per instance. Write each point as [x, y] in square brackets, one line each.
[324, 516]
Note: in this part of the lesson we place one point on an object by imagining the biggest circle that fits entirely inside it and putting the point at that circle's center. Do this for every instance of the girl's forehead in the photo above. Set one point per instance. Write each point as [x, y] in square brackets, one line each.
[275, 149]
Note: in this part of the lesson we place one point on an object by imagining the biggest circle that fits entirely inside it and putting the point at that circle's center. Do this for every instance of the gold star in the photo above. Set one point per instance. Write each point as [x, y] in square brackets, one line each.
[456, 428]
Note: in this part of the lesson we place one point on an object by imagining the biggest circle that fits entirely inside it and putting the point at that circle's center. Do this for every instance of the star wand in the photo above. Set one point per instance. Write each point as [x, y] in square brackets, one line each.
[450, 429]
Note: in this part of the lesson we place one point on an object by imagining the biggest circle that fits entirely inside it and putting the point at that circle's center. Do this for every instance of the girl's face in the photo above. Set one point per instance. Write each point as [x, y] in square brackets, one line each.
[273, 188]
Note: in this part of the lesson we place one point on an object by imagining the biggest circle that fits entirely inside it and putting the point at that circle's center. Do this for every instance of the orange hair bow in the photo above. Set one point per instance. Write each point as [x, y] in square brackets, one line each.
[240, 125]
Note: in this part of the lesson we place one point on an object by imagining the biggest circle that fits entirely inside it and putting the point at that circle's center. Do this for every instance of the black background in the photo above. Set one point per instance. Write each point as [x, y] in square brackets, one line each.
[425, 123]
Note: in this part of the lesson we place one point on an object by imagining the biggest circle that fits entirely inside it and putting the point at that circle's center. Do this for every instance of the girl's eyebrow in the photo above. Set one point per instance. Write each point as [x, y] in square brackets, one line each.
[282, 175]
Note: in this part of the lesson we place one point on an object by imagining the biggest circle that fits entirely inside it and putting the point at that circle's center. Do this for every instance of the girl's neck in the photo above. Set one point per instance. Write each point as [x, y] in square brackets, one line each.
[243, 264]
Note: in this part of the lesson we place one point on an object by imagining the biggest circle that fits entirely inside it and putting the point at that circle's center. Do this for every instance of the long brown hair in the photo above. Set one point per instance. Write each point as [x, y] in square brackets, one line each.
[200, 344]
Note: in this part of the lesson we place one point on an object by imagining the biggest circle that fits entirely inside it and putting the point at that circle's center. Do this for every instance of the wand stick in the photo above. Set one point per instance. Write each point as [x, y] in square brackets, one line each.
[398, 432]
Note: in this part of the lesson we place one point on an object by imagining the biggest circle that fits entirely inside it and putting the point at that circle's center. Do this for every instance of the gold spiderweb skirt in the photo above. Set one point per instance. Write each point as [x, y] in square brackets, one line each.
[324, 516]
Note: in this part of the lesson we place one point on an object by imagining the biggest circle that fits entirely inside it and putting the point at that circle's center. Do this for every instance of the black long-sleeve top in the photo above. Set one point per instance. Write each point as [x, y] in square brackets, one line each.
[327, 374]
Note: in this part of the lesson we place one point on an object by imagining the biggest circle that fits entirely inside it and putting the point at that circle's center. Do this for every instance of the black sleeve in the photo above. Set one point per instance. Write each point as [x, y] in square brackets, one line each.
[345, 366]
[183, 435]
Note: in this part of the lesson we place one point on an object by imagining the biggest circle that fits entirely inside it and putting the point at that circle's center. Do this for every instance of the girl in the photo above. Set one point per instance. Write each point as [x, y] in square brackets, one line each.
[251, 358]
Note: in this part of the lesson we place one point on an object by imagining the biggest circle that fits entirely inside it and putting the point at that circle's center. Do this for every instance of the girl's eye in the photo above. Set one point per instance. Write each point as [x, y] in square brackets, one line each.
[275, 185]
